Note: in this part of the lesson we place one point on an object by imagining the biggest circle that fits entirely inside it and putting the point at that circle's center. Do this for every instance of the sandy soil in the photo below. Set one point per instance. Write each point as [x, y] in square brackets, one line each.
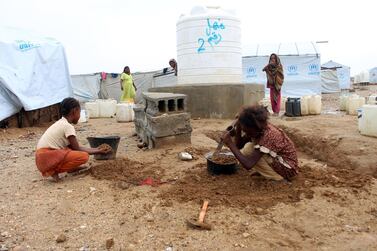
[332, 205]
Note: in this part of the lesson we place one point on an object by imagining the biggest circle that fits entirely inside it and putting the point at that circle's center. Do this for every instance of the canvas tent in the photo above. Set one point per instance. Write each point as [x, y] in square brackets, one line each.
[301, 63]
[342, 73]
[93, 86]
[33, 72]
[330, 82]
[86, 86]
[373, 75]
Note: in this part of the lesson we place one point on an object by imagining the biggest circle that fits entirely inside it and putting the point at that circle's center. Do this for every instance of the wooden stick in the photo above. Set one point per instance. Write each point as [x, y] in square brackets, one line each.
[203, 211]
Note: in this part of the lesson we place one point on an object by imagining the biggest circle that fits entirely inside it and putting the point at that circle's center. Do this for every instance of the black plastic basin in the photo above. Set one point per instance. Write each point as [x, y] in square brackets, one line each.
[112, 141]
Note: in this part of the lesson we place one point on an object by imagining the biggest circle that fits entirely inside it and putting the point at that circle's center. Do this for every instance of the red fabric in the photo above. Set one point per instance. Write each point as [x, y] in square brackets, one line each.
[51, 161]
[151, 182]
[276, 140]
[275, 105]
[103, 75]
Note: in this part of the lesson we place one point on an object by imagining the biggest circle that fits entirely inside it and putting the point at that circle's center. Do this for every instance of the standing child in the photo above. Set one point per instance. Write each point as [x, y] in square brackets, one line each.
[58, 150]
[275, 79]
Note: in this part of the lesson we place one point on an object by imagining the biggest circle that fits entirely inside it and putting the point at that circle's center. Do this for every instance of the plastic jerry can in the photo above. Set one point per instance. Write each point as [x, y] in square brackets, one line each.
[372, 100]
[125, 112]
[293, 107]
[354, 104]
[343, 102]
[304, 102]
[92, 109]
[369, 120]
[315, 105]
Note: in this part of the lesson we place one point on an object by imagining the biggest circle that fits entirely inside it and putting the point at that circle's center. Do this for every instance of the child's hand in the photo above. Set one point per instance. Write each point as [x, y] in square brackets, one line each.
[227, 139]
[104, 149]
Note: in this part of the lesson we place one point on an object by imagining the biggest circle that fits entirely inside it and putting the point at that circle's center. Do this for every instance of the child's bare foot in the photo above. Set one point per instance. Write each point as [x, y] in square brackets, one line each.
[55, 177]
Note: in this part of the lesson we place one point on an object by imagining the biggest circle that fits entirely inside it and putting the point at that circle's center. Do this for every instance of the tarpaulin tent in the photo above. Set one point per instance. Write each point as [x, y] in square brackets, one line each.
[86, 86]
[91, 86]
[373, 75]
[33, 72]
[330, 82]
[301, 63]
[342, 71]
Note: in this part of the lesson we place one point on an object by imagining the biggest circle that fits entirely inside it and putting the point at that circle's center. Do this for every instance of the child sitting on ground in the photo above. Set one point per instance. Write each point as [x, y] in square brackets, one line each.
[261, 146]
[58, 150]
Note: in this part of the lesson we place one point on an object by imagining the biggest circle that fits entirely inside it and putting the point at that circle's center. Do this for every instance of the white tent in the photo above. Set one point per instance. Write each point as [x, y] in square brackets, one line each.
[86, 86]
[33, 72]
[373, 75]
[330, 82]
[91, 86]
[342, 71]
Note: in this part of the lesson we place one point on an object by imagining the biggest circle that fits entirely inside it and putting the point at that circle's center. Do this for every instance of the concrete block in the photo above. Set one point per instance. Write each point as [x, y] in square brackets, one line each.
[160, 103]
[168, 125]
[169, 140]
[157, 127]
[216, 101]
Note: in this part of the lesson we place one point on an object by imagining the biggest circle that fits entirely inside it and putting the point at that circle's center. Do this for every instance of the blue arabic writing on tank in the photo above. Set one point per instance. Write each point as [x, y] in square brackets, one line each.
[213, 35]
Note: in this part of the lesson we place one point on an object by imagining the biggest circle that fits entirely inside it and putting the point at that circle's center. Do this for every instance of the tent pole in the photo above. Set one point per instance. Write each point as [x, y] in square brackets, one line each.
[315, 49]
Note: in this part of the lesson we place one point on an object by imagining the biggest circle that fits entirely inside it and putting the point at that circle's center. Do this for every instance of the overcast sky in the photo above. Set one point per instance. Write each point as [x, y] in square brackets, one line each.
[105, 35]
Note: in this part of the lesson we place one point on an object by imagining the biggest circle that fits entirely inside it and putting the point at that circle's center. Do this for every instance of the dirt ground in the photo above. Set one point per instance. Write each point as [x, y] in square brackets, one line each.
[331, 205]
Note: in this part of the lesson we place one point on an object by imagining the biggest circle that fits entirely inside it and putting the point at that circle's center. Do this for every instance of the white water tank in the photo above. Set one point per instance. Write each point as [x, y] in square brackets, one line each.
[364, 77]
[209, 47]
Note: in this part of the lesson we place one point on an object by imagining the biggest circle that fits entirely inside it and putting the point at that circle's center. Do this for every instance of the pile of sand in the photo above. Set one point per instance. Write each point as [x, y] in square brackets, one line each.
[242, 191]
[126, 170]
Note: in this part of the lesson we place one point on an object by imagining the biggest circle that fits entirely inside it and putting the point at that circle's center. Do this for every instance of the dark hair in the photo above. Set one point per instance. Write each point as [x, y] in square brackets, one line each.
[126, 67]
[254, 117]
[67, 105]
[276, 57]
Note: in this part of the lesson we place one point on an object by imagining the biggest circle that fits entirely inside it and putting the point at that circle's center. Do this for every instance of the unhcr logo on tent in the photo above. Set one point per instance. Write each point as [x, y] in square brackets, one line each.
[292, 70]
[251, 72]
[23, 45]
[313, 69]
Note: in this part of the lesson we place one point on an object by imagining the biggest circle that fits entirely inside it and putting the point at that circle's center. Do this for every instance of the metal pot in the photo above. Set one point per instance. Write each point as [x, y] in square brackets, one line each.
[216, 169]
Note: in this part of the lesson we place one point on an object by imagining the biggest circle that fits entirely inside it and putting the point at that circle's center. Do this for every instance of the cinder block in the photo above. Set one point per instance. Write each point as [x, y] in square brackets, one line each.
[169, 141]
[161, 103]
[168, 125]
[163, 120]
